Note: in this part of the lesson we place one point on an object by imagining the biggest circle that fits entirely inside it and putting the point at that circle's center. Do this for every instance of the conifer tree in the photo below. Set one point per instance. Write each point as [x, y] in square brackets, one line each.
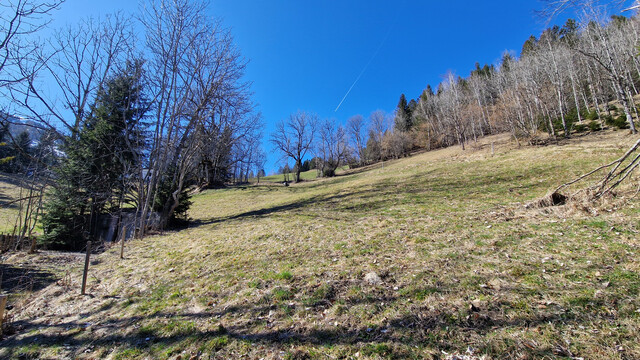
[100, 165]
[403, 115]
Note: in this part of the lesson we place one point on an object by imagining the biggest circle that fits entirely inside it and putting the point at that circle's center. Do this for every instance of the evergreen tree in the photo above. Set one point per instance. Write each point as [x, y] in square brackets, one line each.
[569, 32]
[529, 46]
[22, 151]
[4, 147]
[100, 164]
[6, 156]
[402, 120]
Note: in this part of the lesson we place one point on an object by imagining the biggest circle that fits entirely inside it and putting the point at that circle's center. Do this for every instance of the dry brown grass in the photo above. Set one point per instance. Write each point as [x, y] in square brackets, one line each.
[274, 272]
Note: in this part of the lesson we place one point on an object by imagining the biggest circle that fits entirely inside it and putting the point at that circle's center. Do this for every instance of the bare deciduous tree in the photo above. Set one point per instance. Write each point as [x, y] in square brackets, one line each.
[75, 63]
[333, 146]
[18, 20]
[195, 73]
[294, 138]
[355, 129]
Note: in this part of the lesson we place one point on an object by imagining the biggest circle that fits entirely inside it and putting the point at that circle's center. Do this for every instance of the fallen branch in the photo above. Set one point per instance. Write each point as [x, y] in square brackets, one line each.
[620, 171]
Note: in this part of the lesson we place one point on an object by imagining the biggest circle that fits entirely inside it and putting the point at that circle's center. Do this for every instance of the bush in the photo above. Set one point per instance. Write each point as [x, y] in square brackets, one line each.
[557, 124]
[608, 119]
[64, 224]
[328, 172]
[544, 125]
[612, 108]
[571, 117]
[592, 115]
[580, 128]
[595, 126]
[620, 122]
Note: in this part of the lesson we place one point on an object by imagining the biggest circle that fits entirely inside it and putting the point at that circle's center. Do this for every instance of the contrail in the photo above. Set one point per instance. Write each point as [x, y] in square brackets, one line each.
[368, 63]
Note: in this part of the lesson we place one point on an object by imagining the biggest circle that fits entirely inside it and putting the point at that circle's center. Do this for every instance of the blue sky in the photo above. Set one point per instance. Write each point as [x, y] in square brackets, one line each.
[305, 55]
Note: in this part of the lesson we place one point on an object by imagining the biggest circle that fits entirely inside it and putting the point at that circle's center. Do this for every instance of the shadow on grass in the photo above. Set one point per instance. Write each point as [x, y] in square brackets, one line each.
[419, 324]
[7, 202]
[425, 188]
[424, 327]
[366, 199]
[24, 278]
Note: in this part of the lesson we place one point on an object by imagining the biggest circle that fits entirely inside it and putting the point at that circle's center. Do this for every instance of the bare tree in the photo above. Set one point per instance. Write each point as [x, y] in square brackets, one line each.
[260, 159]
[333, 146]
[18, 20]
[600, 48]
[195, 73]
[355, 128]
[76, 61]
[553, 8]
[294, 138]
[378, 124]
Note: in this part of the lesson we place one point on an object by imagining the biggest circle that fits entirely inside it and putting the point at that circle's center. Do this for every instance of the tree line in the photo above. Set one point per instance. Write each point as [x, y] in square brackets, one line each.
[574, 78]
[132, 124]
[564, 81]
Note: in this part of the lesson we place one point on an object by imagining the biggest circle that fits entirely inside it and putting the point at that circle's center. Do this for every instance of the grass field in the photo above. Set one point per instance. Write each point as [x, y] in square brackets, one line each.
[305, 175]
[9, 191]
[427, 257]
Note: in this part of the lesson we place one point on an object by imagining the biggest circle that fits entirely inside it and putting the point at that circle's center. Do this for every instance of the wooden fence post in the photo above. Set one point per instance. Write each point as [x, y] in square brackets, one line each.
[3, 304]
[124, 235]
[86, 268]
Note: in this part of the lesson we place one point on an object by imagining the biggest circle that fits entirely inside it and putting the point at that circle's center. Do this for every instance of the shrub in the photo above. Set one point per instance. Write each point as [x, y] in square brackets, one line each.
[592, 115]
[163, 198]
[595, 126]
[608, 119]
[580, 128]
[328, 172]
[621, 122]
[571, 117]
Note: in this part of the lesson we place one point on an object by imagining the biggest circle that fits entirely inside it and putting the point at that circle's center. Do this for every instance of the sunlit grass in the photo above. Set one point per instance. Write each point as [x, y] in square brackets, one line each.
[461, 264]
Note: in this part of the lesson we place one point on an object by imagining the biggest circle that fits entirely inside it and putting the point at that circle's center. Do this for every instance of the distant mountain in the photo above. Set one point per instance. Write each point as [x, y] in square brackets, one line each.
[17, 125]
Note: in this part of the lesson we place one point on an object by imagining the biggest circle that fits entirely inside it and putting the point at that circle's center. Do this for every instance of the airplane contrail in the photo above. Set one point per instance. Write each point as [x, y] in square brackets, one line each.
[360, 75]
[368, 63]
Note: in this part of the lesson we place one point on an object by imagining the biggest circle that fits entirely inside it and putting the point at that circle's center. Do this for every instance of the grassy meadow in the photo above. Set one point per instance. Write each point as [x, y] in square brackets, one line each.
[279, 178]
[432, 256]
[10, 191]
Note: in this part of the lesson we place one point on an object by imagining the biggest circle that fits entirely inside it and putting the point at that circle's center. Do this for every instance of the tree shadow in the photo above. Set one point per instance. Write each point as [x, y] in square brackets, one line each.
[25, 278]
[409, 329]
[321, 200]
[7, 202]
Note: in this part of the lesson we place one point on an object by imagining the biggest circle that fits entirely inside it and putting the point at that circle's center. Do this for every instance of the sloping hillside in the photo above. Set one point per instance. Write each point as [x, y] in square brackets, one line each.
[9, 193]
[416, 258]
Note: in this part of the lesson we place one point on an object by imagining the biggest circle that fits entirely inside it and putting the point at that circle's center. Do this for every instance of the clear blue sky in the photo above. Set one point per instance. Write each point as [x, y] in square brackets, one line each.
[305, 55]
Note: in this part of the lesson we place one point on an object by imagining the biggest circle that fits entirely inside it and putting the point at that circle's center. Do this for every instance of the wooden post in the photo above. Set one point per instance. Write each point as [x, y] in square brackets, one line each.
[86, 268]
[3, 304]
[124, 235]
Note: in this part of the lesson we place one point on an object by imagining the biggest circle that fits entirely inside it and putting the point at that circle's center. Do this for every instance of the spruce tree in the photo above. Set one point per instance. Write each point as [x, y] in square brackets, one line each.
[403, 115]
[97, 172]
